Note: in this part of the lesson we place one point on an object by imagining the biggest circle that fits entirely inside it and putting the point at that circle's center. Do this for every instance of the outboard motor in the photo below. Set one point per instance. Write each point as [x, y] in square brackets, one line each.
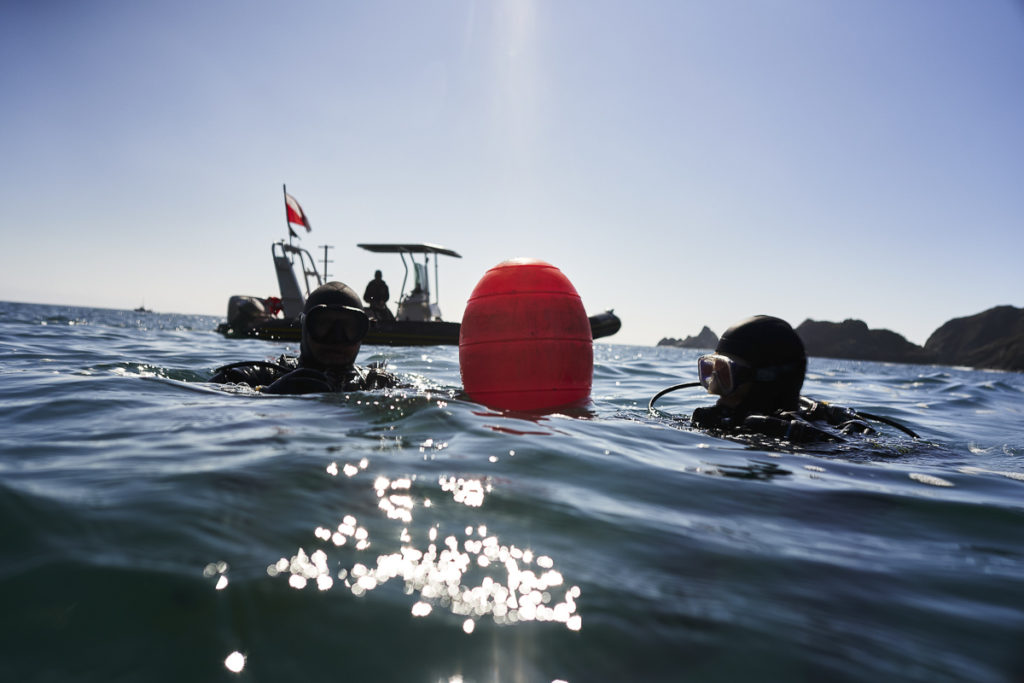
[245, 311]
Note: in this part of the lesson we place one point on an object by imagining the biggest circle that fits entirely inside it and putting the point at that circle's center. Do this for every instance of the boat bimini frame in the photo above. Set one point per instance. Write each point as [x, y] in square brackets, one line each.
[416, 305]
[292, 296]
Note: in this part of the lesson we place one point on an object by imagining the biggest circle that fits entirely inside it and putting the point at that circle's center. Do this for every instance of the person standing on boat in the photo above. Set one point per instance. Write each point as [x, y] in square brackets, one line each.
[334, 325]
[377, 295]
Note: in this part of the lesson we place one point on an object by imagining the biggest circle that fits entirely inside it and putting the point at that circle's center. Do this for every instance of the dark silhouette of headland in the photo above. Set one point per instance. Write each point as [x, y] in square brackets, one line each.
[992, 339]
[705, 340]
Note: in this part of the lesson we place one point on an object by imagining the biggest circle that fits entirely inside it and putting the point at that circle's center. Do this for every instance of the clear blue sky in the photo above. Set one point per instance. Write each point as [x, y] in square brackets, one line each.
[684, 162]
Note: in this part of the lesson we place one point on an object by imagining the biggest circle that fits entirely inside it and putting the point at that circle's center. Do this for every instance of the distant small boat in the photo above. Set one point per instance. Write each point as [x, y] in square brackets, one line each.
[142, 309]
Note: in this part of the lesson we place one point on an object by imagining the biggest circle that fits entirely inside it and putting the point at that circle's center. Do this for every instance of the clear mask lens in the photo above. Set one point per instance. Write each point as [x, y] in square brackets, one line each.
[717, 374]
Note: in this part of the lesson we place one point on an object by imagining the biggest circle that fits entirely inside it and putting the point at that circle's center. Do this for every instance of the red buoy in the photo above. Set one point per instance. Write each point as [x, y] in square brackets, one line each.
[525, 341]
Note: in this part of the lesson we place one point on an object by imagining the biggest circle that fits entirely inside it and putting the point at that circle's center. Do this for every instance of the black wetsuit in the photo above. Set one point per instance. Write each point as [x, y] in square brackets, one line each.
[376, 293]
[812, 421]
[287, 376]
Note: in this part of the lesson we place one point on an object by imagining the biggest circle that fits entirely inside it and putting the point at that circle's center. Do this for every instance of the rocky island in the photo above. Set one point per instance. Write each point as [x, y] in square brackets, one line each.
[852, 339]
[992, 339]
[705, 340]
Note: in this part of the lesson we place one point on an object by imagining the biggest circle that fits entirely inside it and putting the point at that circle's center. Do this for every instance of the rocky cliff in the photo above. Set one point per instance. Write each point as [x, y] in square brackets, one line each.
[705, 340]
[853, 339]
[990, 339]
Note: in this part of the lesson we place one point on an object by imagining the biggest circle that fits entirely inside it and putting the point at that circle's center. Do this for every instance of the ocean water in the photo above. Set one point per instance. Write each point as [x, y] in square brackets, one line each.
[157, 528]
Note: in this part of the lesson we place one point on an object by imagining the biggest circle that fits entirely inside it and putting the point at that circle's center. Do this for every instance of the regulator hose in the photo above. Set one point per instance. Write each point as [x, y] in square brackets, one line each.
[684, 385]
[885, 420]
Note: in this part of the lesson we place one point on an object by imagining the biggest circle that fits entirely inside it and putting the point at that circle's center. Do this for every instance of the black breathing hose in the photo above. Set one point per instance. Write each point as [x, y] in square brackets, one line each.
[684, 385]
[885, 420]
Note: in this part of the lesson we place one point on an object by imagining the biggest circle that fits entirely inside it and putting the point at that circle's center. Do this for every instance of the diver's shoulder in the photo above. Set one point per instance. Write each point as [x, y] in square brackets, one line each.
[254, 373]
[819, 422]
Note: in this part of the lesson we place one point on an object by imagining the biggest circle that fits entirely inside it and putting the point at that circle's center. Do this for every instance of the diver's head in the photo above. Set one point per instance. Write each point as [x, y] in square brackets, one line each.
[758, 366]
[377, 275]
[333, 327]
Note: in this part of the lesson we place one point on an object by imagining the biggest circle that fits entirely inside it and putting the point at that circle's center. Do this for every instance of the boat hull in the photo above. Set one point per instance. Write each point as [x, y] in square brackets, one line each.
[395, 333]
[398, 333]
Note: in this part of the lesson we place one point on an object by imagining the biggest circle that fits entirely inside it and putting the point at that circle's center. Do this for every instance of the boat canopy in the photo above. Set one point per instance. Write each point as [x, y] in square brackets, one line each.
[416, 304]
[409, 249]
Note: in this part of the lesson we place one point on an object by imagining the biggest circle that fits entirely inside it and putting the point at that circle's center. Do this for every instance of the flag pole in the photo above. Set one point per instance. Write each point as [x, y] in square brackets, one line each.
[284, 192]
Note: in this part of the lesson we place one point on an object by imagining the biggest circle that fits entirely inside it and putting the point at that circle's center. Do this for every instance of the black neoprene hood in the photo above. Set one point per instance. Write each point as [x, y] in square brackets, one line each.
[330, 294]
[764, 341]
[333, 293]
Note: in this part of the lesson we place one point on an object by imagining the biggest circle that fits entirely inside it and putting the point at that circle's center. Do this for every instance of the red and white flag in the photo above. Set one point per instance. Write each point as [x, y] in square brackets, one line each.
[295, 213]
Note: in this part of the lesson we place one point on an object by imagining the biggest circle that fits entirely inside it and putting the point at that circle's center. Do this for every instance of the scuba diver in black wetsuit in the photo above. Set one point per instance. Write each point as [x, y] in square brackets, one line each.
[333, 327]
[757, 371]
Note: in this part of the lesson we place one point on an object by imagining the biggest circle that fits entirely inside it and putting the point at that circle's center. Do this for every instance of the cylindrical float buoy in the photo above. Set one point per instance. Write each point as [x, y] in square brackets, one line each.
[525, 341]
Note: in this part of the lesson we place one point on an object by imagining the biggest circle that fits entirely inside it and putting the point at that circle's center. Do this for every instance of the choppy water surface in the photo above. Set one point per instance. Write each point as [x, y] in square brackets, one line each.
[157, 528]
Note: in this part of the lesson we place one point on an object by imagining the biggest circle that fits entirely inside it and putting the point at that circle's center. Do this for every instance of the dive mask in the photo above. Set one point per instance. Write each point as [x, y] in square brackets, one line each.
[334, 324]
[722, 375]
